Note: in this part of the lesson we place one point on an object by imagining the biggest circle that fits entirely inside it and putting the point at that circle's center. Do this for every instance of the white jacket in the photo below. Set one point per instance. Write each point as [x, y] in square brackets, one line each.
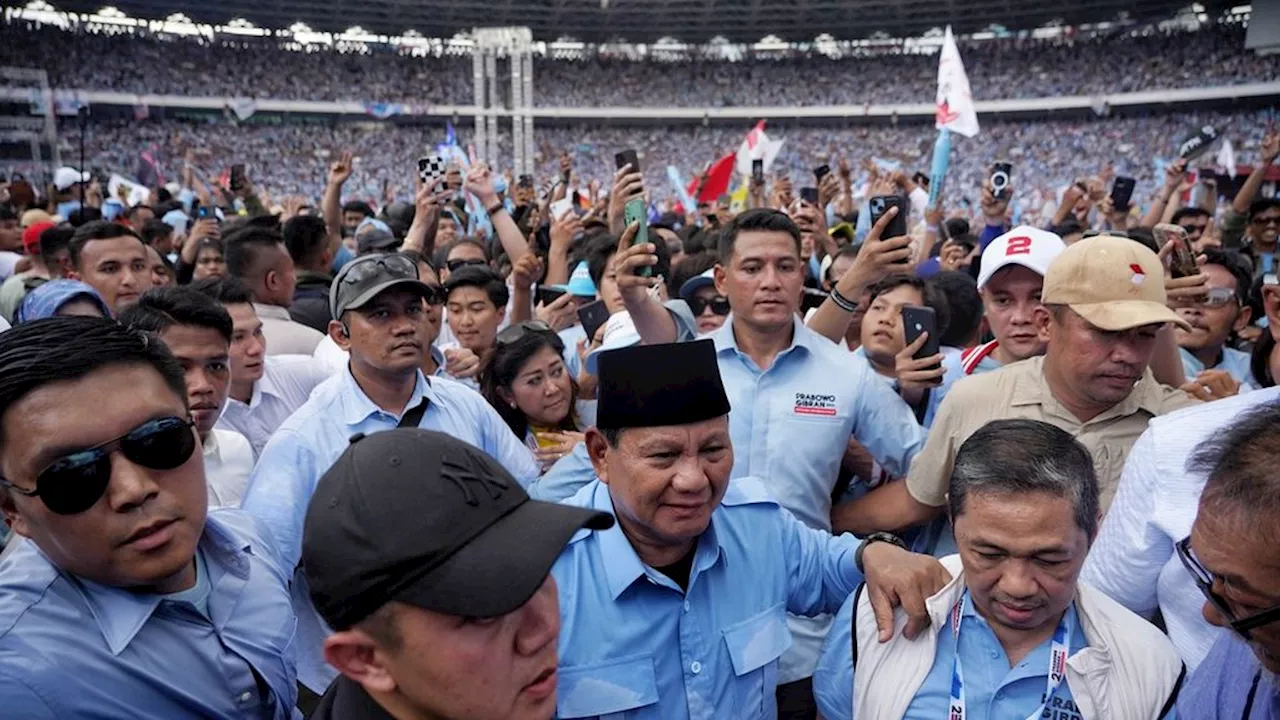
[1129, 671]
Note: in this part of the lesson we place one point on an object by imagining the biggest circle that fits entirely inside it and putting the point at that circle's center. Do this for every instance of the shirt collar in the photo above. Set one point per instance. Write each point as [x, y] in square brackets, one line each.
[266, 384]
[274, 312]
[210, 446]
[1030, 388]
[724, 338]
[120, 614]
[357, 407]
[438, 356]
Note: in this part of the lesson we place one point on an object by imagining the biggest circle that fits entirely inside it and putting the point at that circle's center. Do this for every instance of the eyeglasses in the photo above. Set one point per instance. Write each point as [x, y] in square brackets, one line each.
[515, 332]
[397, 266]
[1214, 298]
[718, 304]
[435, 295]
[1269, 220]
[1193, 229]
[454, 265]
[74, 483]
[1205, 579]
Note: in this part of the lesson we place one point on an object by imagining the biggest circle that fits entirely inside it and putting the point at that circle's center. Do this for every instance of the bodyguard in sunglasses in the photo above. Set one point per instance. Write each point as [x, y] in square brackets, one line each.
[378, 304]
[1231, 556]
[126, 600]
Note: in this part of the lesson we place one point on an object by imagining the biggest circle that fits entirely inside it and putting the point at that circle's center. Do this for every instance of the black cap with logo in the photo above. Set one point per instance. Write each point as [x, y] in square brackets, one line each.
[368, 276]
[422, 518]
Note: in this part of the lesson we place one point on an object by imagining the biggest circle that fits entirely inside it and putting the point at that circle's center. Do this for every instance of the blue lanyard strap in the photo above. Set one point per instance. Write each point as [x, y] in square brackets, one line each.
[1057, 663]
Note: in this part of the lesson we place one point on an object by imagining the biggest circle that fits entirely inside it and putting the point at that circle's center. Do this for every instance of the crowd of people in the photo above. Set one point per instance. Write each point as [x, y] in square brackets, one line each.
[1123, 59]
[301, 430]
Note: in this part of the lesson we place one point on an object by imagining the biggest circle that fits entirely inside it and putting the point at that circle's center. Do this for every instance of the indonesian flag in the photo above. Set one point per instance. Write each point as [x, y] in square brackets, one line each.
[955, 101]
[757, 146]
[709, 186]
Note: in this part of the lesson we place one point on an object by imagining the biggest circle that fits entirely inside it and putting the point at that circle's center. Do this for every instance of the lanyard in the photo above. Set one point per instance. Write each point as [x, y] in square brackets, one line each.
[1057, 664]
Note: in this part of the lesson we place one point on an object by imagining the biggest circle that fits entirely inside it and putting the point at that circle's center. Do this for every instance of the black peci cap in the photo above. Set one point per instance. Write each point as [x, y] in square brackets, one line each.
[660, 385]
[423, 518]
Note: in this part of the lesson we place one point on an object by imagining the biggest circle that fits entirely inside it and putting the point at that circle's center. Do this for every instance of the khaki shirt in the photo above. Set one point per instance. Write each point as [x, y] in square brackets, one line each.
[1019, 391]
[283, 335]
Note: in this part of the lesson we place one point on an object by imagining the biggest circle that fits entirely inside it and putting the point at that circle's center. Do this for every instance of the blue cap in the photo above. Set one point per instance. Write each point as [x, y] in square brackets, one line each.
[45, 301]
[579, 282]
[696, 283]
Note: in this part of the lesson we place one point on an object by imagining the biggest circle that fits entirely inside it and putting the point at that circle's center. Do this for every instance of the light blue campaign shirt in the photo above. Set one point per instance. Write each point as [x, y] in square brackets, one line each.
[953, 371]
[633, 646]
[570, 337]
[71, 648]
[992, 689]
[1234, 362]
[310, 441]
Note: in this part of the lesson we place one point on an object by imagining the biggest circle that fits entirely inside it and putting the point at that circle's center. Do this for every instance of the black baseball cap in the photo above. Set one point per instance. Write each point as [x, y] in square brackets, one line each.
[366, 277]
[422, 518]
[375, 239]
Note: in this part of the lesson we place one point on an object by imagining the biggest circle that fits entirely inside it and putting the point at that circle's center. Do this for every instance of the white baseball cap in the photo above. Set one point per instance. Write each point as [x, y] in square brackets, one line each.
[1032, 248]
[64, 177]
[619, 332]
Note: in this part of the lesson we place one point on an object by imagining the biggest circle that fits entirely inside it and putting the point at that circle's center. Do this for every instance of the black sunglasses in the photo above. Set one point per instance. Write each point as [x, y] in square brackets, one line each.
[73, 483]
[435, 295]
[455, 264]
[515, 332]
[397, 266]
[1204, 581]
[718, 304]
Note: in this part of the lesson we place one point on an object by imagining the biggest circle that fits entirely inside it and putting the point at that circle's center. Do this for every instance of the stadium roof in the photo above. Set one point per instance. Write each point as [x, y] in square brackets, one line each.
[597, 21]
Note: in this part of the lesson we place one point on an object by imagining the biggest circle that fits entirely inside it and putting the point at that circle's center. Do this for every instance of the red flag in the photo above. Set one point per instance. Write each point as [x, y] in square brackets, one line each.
[715, 181]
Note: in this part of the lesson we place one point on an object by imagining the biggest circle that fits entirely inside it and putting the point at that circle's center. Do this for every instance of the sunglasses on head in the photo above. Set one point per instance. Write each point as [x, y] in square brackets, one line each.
[1204, 580]
[461, 263]
[397, 266]
[718, 304]
[515, 332]
[74, 483]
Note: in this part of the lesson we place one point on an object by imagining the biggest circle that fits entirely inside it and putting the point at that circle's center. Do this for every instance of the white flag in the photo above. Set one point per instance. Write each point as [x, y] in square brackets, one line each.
[955, 102]
[1227, 157]
[757, 146]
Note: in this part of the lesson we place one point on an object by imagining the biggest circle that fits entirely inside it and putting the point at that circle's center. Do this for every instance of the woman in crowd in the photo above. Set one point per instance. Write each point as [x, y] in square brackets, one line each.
[528, 384]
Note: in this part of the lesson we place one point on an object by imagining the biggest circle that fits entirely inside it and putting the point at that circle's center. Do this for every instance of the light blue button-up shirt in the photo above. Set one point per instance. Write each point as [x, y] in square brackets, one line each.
[313, 438]
[992, 689]
[1235, 362]
[71, 648]
[632, 643]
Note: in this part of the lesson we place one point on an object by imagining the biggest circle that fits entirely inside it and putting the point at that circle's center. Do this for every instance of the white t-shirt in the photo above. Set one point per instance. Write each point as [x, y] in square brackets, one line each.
[8, 261]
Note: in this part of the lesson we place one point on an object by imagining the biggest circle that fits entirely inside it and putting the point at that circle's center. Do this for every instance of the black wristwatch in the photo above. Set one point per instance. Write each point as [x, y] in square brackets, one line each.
[496, 209]
[875, 537]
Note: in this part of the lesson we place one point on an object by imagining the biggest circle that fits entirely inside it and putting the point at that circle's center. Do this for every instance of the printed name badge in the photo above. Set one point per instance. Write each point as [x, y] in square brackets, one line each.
[815, 404]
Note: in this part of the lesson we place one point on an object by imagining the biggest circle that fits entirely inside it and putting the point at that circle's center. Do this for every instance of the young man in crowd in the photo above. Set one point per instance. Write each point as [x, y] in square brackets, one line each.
[111, 259]
[477, 304]
[1195, 221]
[1214, 317]
[884, 335]
[258, 258]
[265, 389]
[199, 333]
[679, 609]
[412, 649]
[1230, 556]
[377, 307]
[307, 240]
[1103, 304]
[1016, 634]
[127, 600]
[797, 398]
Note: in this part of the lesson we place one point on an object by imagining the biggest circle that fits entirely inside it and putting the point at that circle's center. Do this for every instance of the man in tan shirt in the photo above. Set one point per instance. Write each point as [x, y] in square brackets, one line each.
[1103, 303]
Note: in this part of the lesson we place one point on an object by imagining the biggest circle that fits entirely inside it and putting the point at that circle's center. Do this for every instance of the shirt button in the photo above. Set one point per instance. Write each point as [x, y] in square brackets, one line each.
[686, 606]
[244, 696]
[696, 667]
[995, 655]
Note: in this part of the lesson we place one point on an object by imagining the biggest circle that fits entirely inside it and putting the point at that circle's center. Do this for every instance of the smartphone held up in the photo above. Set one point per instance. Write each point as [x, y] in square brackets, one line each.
[634, 211]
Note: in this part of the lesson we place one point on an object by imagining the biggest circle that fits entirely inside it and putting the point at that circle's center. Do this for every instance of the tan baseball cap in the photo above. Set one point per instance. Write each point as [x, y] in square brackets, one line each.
[1115, 283]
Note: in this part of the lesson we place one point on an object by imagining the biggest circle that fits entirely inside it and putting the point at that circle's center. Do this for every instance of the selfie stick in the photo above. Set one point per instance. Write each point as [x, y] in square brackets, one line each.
[941, 158]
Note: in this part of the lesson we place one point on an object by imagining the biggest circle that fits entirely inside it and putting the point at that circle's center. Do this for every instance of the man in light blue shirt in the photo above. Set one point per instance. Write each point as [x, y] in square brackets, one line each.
[1016, 635]
[378, 303]
[1222, 311]
[122, 599]
[796, 396]
[679, 611]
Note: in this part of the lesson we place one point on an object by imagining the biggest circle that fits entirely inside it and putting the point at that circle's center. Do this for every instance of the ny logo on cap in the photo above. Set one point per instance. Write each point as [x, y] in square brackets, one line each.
[1138, 274]
[466, 477]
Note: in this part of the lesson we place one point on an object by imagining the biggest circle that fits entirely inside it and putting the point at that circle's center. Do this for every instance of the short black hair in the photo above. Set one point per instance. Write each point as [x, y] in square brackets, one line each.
[931, 295]
[420, 259]
[757, 220]
[603, 247]
[97, 230]
[84, 215]
[964, 304]
[133, 210]
[1189, 212]
[53, 241]
[59, 349]
[162, 308]
[8, 211]
[1233, 262]
[155, 229]
[479, 277]
[244, 250]
[1260, 206]
[1239, 464]
[223, 290]
[306, 238]
[358, 206]
[956, 227]
[689, 267]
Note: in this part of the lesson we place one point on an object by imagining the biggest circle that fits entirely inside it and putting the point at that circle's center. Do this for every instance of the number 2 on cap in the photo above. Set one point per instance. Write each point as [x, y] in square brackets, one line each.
[1018, 246]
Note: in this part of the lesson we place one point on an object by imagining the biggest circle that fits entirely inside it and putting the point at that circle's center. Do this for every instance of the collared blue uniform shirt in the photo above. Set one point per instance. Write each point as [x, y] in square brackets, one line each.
[313, 438]
[632, 643]
[1234, 362]
[71, 648]
[992, 690]
[1219, 687]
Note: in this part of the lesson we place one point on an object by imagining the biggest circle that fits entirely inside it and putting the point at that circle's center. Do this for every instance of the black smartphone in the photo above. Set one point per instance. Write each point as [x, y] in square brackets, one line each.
[811, 299]
[627, 157]
[820, 172]
[1001, 178]
[526, 181]
[809, 195]
[1122, 192]
[548, 295]
[916, 321]
[204, 212]
[592, 316]
[236, 181]
[757, 171]
[880, 205]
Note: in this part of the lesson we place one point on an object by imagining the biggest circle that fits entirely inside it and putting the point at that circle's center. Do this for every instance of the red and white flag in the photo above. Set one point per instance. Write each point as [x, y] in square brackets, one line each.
[955, 102]
[757, 146]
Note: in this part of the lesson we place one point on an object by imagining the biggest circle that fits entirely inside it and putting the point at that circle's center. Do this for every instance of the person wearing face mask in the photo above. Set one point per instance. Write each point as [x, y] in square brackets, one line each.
[1014, 633]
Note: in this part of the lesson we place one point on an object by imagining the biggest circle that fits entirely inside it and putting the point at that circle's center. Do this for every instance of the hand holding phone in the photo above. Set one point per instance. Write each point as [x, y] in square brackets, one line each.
[634, 211]
[1001, 179]
[880, 205]
[593, 315]
[1122, 193]
[916, 321]
[1182, 259]
[757, 171]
